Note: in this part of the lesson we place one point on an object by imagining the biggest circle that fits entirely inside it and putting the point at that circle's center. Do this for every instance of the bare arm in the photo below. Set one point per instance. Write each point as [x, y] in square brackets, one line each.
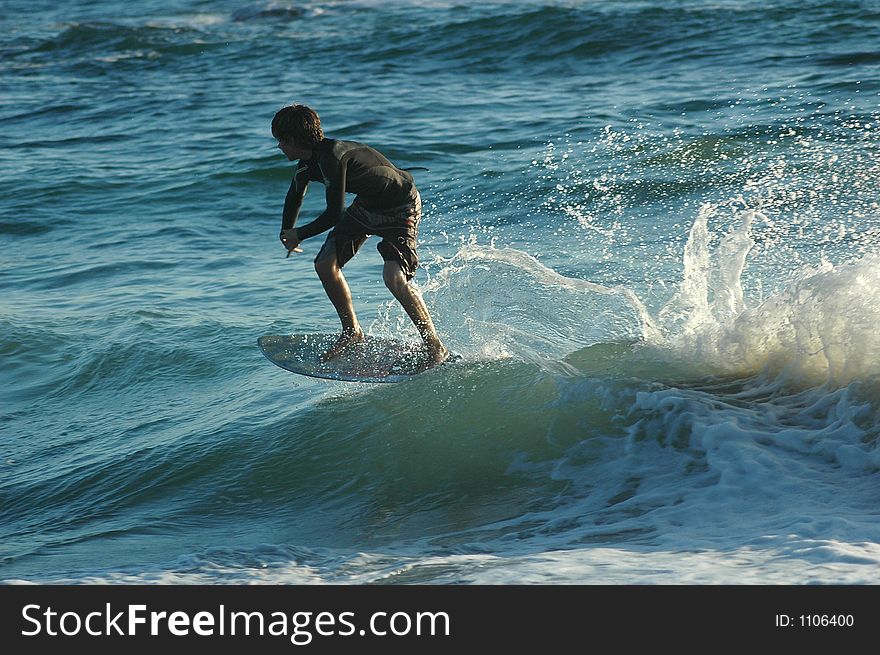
[335, 196]
[295, 194]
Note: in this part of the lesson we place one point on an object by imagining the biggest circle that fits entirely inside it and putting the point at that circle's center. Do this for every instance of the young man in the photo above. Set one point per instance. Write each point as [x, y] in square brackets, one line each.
[387, 204]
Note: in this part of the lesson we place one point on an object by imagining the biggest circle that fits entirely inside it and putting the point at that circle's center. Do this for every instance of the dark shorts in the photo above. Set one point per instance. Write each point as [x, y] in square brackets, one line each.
[398, 227]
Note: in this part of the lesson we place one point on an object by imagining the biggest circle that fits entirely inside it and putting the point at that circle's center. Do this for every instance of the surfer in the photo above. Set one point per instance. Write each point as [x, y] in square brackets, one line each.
[387, 204]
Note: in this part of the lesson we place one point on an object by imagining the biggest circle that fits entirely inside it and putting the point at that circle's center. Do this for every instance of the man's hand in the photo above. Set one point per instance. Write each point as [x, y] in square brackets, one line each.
[290, 239]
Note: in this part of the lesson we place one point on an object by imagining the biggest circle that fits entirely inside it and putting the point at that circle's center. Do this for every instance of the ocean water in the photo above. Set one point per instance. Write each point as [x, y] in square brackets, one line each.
[651, 228]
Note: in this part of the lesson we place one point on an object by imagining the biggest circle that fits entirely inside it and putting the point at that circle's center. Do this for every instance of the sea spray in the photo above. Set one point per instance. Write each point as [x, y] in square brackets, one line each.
[818, 328]
[510, 304]
[821, 327]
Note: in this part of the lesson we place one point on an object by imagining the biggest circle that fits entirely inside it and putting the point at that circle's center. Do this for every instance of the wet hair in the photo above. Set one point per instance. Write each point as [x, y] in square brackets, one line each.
[299, 124]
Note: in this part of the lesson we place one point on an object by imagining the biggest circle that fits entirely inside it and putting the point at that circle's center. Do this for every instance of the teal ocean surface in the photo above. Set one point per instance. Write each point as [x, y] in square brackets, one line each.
[651, 229]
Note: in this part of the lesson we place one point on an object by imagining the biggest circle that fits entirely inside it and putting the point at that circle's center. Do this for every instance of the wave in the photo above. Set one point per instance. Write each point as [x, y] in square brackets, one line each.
[532, 37]
[272, 11]
[493, 455]
[85, 38]
[817, 329]
[24, 227]
[531, 446]
[815, 325]
[560, 360]
[559, 36]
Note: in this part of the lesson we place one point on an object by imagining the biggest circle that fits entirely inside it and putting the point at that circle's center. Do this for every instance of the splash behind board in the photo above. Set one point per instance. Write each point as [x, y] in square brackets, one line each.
[376, 359]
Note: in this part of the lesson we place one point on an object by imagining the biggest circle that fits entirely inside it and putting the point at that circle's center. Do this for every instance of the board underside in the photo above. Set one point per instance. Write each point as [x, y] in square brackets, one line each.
[376, 359]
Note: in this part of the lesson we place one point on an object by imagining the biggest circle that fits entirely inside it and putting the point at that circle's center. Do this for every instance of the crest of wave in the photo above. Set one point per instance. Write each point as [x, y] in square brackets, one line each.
[503, 302]
[821, 327]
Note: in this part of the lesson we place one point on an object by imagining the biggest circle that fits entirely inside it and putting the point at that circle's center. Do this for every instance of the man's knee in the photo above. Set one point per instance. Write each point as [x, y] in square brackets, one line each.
[326, 266]
[394, 278]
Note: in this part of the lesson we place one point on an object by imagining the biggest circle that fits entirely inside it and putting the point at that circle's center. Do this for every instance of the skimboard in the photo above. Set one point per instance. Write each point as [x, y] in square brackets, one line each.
[376, 359]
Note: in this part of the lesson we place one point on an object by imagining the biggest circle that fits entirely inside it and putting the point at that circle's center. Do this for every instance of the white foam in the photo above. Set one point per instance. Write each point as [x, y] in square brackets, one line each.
[778, 560]
[819, 328]
[502, 302]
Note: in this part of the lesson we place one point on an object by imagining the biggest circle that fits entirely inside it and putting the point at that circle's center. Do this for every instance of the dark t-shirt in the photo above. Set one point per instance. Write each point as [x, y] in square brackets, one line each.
[345, 167]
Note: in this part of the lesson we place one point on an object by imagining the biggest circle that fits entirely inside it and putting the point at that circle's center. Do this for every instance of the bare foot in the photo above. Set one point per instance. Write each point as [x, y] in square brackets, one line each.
[437, 354]
[345, 339]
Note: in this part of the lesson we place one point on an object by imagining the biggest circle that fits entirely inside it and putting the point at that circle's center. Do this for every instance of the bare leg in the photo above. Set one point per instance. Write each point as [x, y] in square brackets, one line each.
[340, 295]
[414, 305]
